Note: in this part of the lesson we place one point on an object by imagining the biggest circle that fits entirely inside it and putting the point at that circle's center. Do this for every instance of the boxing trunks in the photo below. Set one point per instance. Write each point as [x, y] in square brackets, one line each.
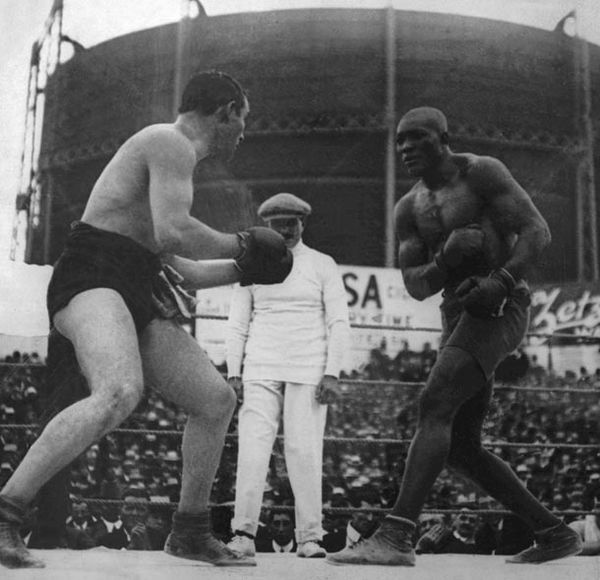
[488, 340]
[95, 258]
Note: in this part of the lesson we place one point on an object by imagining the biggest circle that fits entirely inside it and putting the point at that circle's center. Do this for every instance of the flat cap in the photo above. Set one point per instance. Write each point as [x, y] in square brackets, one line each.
[283, 205]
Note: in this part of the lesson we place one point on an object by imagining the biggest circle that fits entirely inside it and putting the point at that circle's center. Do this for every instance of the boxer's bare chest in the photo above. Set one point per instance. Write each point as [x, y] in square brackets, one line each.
[441, 210]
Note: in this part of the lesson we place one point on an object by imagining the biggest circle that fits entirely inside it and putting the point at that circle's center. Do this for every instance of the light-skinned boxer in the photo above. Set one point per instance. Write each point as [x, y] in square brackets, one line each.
[114, 295]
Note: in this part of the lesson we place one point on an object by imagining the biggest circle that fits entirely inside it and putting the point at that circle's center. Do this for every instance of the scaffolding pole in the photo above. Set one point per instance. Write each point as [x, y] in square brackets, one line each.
[390, 150]
[28, 197]
[587, 233]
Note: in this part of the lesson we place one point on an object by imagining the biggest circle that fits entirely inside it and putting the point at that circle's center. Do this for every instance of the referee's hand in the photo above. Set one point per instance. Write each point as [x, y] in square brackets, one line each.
[327, 390]
[237, 385]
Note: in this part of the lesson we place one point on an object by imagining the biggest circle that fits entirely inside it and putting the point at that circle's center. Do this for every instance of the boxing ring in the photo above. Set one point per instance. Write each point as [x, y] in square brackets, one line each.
[101, 563]
[106, 564]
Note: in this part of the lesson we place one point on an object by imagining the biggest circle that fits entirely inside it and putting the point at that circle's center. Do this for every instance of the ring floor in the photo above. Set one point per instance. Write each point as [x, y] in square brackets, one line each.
[105, 564]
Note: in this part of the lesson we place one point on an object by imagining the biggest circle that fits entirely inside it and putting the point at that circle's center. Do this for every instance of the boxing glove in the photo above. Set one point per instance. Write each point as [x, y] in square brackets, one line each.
[485, 297]
[264, 257]
[462, 243]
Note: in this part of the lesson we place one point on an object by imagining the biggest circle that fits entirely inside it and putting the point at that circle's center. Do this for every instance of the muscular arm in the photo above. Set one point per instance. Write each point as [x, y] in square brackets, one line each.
[204, 273]
[422, 278]
[171, 161]
[512, 212]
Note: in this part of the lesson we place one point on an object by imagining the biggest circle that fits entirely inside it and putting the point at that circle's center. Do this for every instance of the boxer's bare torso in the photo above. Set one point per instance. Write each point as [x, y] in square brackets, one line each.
[430, 214]
[460, 190]
[122, 198]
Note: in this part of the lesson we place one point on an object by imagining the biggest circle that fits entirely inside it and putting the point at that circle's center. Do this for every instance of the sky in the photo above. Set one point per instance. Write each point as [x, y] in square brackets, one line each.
[93, 21]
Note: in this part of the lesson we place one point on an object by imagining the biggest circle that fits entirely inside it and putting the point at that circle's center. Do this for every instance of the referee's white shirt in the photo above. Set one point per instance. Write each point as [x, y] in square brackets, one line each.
[296, 331]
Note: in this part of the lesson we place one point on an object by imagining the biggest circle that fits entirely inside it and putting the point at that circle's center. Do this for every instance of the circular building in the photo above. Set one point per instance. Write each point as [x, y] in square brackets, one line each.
[320, 82]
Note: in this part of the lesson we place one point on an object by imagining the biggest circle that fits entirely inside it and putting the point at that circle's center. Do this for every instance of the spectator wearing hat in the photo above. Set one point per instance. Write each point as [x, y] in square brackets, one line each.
[131, 531]
[290, 339]
[460, 538]
[427, 521]
[82, 527]
[336, 523]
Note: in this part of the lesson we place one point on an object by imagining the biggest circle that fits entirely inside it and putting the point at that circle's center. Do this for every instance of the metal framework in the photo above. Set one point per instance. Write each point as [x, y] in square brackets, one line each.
[45, 56]
[34, 199]
[587, 231]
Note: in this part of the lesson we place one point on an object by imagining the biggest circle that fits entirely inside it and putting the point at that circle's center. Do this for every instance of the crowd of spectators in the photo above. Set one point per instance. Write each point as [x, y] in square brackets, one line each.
[371, 425]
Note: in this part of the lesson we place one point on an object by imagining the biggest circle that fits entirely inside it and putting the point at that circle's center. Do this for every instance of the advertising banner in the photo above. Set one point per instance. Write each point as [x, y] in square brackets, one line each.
[570, 313]
[377, 300]
[381, 311]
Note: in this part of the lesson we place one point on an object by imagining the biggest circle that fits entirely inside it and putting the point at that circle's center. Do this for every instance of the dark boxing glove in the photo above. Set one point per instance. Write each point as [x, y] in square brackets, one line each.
[462, 243]
[486, 297]
[264, 258]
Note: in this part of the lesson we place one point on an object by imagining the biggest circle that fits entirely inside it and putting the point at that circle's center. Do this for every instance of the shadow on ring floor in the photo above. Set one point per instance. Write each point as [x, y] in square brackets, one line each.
[105, 564]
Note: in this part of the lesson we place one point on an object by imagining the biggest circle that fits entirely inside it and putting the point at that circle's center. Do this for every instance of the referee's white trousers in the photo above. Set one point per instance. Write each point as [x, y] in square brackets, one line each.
[304, 428]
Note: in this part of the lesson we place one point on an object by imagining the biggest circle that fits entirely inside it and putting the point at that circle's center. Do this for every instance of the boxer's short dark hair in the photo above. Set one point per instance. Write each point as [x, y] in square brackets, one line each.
[206, 91]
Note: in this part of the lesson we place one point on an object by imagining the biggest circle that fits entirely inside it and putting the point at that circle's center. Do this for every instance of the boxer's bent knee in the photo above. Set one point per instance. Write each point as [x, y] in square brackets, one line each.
[218, 405]
[223, 401]
[464, 454]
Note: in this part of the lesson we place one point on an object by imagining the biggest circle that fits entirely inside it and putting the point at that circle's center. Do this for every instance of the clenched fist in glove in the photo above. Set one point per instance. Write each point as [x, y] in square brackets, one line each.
[462, 244]
[264, 258]
[485, 297]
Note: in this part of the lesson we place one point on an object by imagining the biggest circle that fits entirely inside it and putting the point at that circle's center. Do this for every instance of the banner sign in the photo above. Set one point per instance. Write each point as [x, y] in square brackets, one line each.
[572, 309]
[376, 297]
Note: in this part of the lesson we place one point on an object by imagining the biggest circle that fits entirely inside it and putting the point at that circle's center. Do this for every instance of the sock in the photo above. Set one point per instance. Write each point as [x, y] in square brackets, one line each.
[186, 523]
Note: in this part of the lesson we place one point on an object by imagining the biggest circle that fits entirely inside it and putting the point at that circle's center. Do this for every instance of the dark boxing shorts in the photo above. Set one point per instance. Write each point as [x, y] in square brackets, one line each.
[489, 341]
[95, 258]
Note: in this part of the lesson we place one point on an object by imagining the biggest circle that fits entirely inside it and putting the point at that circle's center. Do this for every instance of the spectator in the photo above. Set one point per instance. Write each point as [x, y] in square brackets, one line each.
[408, 364]
[132, 531]
[536, 373]
[335, 523]
[558, 477]
[279, 534]
[460, 538]
[380, 366]
[428, 358]
[588, 529]
[428, 521]
[82, 528]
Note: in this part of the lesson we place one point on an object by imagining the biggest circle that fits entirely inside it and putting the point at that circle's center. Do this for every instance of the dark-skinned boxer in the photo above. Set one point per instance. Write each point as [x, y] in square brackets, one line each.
[466, 228]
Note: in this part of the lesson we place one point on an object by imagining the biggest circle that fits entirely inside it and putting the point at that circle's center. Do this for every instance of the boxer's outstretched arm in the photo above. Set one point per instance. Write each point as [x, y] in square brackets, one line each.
[171, 160]
[204, 273]
[422, 278]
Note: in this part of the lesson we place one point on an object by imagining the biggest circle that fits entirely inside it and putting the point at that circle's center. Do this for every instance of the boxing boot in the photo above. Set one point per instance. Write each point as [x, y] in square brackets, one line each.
[191, 538]
[390, 545]
[553, 543]
[13, 553]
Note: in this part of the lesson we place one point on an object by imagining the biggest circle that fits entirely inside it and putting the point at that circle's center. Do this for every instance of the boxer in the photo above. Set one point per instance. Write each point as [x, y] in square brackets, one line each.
[466, 228]
[108, 297]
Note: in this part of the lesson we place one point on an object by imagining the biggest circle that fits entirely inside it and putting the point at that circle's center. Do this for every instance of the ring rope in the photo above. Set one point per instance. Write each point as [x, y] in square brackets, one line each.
[332, 439]
[401, 384]
[549, 336]
[368, 440]
[338, 510]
